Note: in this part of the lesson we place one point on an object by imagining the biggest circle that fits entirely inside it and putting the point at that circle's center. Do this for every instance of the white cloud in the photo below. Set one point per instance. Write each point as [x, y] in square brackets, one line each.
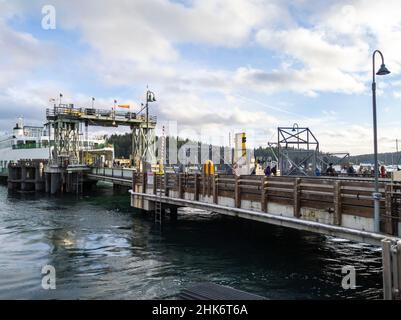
[318, 48]
[20, 53]
[149, 30]
[397, 94]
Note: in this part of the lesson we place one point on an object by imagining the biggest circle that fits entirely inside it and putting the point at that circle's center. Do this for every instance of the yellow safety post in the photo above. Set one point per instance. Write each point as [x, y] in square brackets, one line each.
[208, 168]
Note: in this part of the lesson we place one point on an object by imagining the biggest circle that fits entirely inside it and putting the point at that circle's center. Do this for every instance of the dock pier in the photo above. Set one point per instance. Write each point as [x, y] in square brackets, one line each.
[330, 206]
[26, 176]
[339, 207]
[40, 176]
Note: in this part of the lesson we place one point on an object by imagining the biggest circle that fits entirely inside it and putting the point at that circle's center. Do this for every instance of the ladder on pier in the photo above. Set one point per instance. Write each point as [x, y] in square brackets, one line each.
[160, 191]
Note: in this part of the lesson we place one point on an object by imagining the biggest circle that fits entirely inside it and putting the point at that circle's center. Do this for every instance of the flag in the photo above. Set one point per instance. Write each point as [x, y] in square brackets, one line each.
[126, 106]
[52, 100]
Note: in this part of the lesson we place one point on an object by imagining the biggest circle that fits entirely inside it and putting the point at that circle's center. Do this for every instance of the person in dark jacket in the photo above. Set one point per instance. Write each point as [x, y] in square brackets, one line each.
[268, 171]
[330, 170]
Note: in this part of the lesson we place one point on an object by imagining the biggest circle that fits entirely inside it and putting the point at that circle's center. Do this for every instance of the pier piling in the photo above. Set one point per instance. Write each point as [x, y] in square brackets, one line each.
[391, 259]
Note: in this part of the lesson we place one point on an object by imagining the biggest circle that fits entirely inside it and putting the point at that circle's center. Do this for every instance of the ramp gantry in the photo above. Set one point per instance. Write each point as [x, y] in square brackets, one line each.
[70, 123]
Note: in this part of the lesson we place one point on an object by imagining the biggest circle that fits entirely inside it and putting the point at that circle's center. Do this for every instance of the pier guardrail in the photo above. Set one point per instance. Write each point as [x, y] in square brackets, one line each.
[332, 201]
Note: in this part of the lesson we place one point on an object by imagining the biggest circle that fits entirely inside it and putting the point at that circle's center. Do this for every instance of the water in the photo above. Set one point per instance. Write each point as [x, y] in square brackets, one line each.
[103, 249]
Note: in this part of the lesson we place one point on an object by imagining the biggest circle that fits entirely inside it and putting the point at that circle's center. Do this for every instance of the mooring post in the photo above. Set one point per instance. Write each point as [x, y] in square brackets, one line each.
[263, 194]
[297, 198]
[337, 203]
[391, 259]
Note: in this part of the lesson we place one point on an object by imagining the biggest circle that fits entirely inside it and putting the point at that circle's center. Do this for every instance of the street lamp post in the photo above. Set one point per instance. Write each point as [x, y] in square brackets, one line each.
[376, 195]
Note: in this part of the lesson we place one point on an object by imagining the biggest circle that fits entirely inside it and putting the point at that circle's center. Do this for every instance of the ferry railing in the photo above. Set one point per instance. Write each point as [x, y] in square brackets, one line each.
[98, 113]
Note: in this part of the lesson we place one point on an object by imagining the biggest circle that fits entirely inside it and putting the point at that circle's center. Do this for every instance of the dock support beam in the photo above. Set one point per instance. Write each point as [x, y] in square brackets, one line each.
[215, 188]
[391, 258]
[237, 192]
[55, 183]
[337, 220]
[180, 186]
[196, 186]
[388, 221]
[297, 198]
[263, 200]
[23, 178]
[173, 213]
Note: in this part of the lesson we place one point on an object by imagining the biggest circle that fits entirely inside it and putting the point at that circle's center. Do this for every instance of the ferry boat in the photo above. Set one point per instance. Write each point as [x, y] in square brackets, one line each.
[33, 142]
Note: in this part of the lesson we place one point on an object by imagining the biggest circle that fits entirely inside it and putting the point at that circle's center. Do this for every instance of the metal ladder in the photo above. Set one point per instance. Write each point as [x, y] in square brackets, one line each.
[158, 203]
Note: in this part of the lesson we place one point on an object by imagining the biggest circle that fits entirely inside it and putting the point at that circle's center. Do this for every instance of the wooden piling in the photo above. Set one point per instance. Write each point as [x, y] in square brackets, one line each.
[180, 187]
[388, 221]
[166, 187]
[237, 195]
[215, 182]
[155, 183]
[337, 203]
[386, 262]
[263, 194]
[134, 181]
[297, 198]
[196, 187]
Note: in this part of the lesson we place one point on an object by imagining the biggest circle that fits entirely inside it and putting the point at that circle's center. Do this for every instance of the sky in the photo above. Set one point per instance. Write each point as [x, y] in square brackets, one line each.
[215, 66]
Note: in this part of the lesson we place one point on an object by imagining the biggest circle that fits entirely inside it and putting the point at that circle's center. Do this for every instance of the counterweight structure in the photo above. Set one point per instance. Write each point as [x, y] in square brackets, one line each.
[297, 151]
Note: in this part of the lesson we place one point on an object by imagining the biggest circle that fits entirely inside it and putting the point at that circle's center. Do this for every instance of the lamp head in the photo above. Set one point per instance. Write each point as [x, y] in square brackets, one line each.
[383, 70]
[151, 97]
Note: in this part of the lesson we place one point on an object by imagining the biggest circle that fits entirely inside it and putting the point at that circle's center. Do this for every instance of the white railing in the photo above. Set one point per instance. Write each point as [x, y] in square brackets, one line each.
[122, 173]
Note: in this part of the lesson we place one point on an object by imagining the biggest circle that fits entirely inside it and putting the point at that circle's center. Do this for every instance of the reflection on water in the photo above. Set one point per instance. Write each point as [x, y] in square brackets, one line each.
[103, 249]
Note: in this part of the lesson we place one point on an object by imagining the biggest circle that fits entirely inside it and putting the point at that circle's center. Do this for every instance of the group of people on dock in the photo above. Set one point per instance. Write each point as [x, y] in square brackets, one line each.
[350, 171]
[269, 170]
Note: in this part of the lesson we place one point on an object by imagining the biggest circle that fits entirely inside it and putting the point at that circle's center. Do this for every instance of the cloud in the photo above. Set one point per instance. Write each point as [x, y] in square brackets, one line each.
[20, 53]
[149, 30]
[307, 81]
[276, 47]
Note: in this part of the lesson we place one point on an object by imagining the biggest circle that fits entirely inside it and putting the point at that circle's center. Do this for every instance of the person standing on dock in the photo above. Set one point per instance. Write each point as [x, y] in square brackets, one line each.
[274, 170]
[330, 170]
[383, 172]
[268, 171]
[351, 170]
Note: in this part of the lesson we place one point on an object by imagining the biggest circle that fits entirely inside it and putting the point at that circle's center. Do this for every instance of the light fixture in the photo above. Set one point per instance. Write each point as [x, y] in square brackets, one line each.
[383, 70]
